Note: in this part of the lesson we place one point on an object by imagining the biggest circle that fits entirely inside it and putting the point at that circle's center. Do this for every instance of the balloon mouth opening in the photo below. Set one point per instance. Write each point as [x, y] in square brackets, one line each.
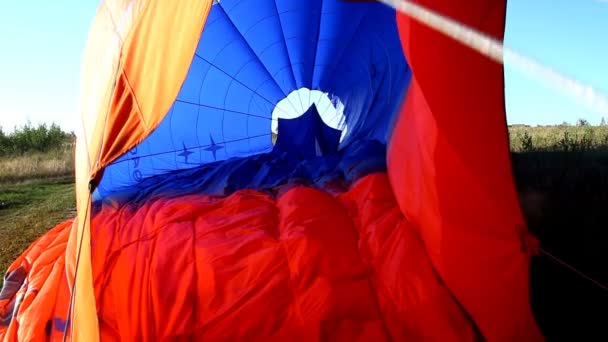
[330, 109]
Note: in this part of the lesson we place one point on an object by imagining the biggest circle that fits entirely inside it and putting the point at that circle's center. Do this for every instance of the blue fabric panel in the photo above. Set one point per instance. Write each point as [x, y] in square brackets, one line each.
[300, 21]
[371, 74]
[338, 27]
[329, 139]
[306, 136]
[297, 136]
[263, 171]
[251, 55]
[259, 24]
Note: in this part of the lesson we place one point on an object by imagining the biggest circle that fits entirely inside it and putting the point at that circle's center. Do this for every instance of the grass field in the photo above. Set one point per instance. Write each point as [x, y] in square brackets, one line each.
[37, 165]
[565, 138]
[28, 209]
[561, 173]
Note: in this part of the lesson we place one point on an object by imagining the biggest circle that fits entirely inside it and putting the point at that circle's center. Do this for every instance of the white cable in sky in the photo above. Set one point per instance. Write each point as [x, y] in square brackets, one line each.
[495, 50]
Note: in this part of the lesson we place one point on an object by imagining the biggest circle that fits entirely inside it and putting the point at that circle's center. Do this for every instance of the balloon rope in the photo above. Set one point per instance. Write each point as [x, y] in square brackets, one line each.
[495, 50]
[573, 269]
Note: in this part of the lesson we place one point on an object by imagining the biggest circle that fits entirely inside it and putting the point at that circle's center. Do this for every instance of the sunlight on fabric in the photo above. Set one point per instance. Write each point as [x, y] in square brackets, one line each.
[331, 109]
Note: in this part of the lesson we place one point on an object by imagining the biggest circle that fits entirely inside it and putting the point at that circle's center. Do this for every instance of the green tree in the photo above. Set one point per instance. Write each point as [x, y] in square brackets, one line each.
[526, 142]
[582, 123]
[29, 138]
[3, 142]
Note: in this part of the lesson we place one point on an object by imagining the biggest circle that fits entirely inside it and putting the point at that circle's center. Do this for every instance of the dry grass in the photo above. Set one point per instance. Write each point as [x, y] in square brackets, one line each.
[558, 138]
[58, 163]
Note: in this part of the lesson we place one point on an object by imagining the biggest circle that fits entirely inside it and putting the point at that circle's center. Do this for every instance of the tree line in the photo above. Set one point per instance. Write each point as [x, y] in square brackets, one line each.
[29, 138]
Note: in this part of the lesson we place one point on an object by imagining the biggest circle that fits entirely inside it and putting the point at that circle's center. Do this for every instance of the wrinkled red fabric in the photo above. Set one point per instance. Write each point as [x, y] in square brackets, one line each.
[306, 265]
[448, 162]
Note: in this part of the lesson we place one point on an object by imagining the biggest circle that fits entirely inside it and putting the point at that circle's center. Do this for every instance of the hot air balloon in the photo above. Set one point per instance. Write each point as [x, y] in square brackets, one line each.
[283, 170]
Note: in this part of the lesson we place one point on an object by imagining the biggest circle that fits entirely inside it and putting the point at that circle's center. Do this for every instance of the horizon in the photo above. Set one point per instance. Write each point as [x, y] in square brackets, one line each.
[603, 122]
[559, 33]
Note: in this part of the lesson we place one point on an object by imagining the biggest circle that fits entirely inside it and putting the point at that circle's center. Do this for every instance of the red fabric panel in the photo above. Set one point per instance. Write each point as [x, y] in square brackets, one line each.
[415, 305]
[450, 170]
[305, 266]
[241, 268]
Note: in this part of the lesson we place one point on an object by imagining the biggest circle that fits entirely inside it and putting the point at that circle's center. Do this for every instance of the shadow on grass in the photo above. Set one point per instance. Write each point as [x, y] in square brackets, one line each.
[565, 200]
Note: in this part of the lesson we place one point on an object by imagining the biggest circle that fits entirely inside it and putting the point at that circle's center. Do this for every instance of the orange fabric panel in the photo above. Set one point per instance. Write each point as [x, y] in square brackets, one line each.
[155, 58]
[132, 72]
[83, 317]
[39, 292]
[133, 69]
[101, 67]
[450, 170]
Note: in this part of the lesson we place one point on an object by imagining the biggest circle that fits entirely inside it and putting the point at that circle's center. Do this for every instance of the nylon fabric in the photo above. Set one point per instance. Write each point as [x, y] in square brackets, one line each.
[253, 266]
[252, 54]
[127, 89]
[450, 169]
[200, 228]
[264, 172]
[33, 311]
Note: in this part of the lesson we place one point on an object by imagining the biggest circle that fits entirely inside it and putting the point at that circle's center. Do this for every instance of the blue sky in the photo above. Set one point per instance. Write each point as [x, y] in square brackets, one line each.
[42, 46]
[568, 35]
